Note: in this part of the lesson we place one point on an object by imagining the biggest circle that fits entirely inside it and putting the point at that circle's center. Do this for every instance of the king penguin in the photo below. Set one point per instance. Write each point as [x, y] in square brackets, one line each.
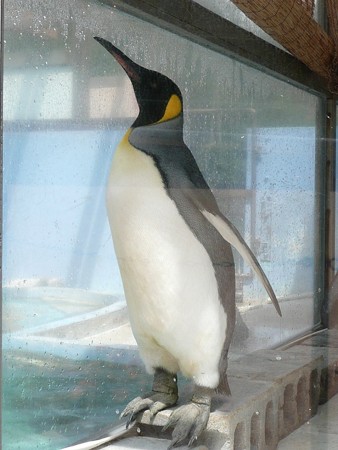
[173, 247]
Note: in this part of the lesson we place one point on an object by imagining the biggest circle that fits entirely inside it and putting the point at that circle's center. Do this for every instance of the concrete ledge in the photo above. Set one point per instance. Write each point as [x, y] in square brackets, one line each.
[273, 393]
[318, 433]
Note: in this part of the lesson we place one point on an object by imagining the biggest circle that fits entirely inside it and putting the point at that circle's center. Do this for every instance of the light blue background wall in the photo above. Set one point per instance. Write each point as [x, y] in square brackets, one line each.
[55, 224]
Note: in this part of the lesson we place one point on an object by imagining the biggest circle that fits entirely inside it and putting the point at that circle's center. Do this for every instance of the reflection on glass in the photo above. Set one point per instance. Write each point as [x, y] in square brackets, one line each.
[67, 339]
[228, 10]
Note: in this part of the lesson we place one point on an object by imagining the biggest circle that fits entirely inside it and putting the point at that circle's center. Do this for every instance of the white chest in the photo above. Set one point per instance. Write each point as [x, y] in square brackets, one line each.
[141, 214]
[155, 248]
[168, 277]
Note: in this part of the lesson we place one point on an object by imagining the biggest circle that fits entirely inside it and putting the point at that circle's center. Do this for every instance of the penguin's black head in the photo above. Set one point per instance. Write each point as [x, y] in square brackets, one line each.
[158, 98]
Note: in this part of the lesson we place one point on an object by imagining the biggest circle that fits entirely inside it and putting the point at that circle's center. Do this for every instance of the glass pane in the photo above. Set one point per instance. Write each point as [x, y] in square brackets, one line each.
[67, 103]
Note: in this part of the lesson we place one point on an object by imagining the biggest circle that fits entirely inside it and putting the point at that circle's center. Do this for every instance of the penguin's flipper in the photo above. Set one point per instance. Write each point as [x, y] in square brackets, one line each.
[201, 196]
[229, 232]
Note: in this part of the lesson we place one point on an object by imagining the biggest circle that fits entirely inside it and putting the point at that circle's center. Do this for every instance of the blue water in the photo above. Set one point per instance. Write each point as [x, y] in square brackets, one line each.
[50, 402]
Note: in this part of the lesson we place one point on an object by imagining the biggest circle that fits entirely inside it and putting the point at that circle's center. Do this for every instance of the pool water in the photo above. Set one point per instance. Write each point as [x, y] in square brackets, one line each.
[51, 402]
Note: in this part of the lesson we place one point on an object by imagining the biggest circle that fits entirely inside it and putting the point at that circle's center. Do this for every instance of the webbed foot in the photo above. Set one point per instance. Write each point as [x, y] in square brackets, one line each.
[190, 420]
[164, 394]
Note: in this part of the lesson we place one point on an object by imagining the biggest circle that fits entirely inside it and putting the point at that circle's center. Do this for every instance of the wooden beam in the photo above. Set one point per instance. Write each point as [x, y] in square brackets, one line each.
[191, 20]
[332, 15]
[289, 23]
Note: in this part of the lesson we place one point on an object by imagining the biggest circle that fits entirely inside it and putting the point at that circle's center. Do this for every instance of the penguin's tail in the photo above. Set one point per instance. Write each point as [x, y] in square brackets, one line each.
[223, 387]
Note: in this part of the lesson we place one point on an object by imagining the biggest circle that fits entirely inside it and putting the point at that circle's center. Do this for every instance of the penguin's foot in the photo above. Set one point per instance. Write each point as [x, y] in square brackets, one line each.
[164, 394]
[190, 420]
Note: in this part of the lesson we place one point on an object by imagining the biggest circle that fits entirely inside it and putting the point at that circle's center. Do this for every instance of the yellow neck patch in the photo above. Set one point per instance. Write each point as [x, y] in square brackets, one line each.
[125, 140]
[173, 109]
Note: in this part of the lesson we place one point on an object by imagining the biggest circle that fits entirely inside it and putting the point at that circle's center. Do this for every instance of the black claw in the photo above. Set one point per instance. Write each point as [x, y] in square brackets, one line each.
[166, 426]
[173, 443]
[129, 421]
[192, 440]
[123, 415]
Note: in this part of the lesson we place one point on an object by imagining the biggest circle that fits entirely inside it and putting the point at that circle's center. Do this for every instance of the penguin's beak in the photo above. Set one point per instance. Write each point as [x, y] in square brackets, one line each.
[132, 69]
